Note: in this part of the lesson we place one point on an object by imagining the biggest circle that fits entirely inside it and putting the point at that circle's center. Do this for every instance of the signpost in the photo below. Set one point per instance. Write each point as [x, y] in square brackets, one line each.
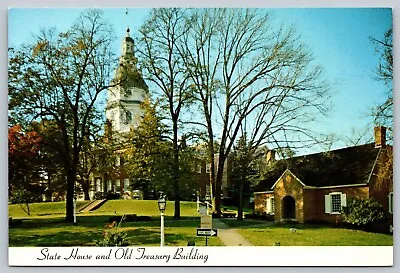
[208, 196]
[206, 221]
[207, 232]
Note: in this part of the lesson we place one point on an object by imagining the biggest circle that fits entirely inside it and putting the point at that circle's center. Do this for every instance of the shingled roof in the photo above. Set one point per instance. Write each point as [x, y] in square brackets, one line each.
[347, 166]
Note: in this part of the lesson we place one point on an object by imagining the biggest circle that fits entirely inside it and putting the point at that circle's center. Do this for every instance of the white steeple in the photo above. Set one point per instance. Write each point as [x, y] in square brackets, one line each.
[123, 102]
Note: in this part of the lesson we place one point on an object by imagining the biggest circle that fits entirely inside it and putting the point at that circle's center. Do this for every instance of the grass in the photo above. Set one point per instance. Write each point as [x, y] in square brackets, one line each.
[89, 229]
[261, 233]
[46, 227]
[111, 207]
[145, 207]
[49, 209]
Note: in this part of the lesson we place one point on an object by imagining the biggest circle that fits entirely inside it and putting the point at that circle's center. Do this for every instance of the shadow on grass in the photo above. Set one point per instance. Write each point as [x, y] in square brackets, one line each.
[66, 238]
[262, 224]
[88, 229]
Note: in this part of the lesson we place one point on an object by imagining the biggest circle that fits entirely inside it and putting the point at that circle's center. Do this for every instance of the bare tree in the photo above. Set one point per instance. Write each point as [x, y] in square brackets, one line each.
[159, 38]
[383, 114]
[60, 77]
[258, 76]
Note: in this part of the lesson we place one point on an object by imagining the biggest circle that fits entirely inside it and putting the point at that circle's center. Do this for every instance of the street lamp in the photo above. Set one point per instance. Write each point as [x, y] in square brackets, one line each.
[161, 206]
[74, 204]
[74, 209]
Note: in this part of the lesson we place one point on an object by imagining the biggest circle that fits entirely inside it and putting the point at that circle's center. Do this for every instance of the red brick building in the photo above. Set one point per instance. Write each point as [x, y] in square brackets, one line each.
[313, 188]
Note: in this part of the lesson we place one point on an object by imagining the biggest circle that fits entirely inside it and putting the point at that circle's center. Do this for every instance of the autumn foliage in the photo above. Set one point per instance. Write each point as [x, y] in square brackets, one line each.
[23, 147]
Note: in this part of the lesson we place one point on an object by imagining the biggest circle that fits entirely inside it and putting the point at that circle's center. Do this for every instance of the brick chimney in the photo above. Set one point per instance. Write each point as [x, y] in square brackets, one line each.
[380, 136]
[270, 157]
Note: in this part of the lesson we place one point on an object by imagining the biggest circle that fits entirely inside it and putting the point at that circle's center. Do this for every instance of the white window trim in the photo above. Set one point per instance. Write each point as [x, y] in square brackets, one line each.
[268, 205]
[390, 203]
[328, 202]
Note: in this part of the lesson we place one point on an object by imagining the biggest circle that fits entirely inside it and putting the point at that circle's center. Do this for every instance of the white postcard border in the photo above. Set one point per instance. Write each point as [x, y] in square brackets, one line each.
[201, 256]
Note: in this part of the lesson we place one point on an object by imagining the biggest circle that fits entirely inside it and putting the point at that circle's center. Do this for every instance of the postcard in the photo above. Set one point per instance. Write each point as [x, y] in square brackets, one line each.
[195, 136]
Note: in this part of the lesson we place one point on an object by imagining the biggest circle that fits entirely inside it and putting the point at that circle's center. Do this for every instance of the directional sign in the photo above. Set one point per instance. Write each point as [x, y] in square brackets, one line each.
[206, 232]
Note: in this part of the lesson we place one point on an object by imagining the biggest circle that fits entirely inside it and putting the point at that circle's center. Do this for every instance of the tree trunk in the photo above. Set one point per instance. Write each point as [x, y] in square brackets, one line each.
[85, 188]
[49, 192]
[69, 217]
[240, 207]
[218, 184]
[176, 176]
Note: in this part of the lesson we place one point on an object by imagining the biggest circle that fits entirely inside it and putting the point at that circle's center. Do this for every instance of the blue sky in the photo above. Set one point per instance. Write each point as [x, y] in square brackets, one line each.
[338, 39]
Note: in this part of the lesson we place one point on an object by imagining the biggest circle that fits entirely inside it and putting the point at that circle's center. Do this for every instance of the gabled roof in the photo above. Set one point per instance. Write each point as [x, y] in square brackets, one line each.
[347, 166]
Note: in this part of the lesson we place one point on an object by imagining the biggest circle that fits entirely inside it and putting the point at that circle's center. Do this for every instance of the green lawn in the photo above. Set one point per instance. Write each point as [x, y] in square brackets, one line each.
[111, 207]
[45, 225]
[261, 233]
[49, 209]
[55, 232]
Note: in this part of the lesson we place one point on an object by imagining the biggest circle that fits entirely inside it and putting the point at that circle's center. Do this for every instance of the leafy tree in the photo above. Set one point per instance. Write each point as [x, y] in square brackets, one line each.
[188, 159]
[24, 167]
[362, 212]
[245, 169]
[51, 159]
[383, 113]
[106, 156]
[149, 156]
[60, 76]
[23, 153]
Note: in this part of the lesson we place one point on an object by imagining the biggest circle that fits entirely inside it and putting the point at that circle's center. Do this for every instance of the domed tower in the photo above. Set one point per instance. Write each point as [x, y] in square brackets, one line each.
[123, 102]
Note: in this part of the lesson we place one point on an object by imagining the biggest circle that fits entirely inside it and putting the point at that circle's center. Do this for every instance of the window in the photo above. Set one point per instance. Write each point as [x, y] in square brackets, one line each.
[270, 205]
[126, 184]
[334, 202]
[128, 117]
[98, 185]
[390, 202]
[117, 185]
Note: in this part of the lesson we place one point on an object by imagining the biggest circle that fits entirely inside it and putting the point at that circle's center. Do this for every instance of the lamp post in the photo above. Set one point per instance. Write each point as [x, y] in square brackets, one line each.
[75, 204]
[161, 206]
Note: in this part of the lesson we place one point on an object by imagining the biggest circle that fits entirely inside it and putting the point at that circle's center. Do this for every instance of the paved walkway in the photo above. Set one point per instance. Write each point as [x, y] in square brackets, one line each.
[229, 236]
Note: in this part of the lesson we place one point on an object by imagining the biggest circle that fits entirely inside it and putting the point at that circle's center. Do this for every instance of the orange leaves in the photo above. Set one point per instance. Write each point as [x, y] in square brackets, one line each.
[22, 144]
[40, 47]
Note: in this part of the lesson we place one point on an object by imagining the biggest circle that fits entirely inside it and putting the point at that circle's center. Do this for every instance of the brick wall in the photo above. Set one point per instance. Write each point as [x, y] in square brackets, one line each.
[381, 183]
[319, 202]
[289, 185]
[260, 201]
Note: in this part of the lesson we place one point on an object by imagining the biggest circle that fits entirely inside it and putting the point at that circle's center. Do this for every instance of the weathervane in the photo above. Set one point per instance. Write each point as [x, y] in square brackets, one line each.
[126, 13]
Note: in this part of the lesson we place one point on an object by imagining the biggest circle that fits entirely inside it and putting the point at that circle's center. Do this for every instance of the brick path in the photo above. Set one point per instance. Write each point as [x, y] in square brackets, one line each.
[229, 236]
